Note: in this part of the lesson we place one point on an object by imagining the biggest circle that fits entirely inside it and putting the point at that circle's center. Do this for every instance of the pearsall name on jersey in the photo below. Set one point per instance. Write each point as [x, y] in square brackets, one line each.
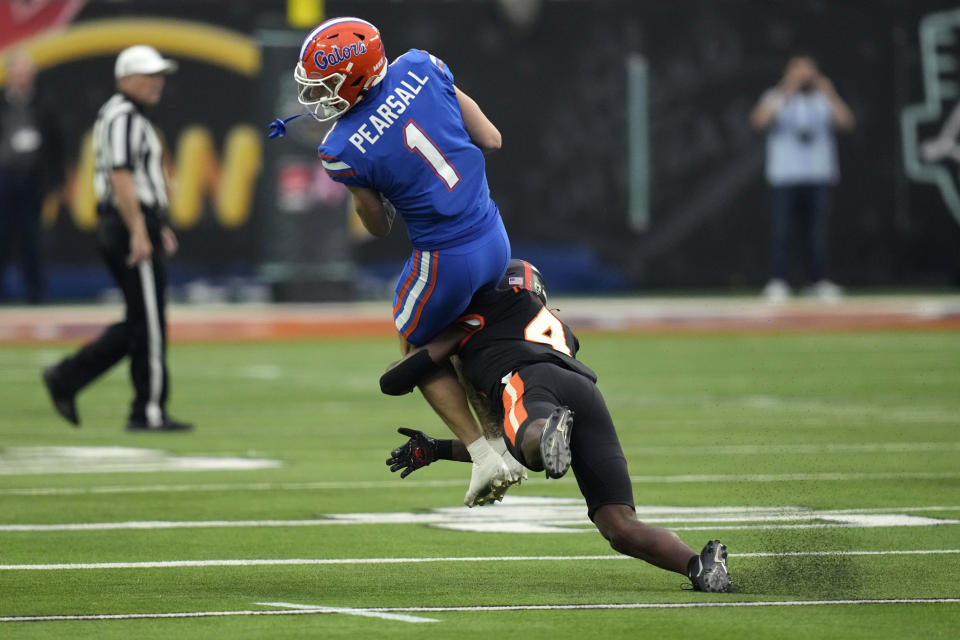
[390, 110]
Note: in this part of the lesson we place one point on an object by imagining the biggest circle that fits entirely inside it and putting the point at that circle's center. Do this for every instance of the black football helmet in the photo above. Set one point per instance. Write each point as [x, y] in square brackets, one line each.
[524, 275]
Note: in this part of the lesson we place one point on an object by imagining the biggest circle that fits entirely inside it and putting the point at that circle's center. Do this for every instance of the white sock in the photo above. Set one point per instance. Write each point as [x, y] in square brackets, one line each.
[480, 449]
[498, 445]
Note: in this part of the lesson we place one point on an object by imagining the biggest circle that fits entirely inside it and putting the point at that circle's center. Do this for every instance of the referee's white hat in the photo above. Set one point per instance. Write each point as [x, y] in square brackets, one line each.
[142, 58]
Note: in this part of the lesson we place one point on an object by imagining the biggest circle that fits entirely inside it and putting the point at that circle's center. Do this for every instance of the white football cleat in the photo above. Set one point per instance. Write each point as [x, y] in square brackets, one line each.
[518, 472]
[490, 477]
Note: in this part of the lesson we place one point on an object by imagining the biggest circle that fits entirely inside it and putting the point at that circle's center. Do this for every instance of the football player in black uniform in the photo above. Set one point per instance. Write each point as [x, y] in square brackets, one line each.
[521, 358]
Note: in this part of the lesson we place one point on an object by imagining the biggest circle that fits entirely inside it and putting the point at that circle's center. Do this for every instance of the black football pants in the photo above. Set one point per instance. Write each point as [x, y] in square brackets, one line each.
[598, 461]
[141, 335]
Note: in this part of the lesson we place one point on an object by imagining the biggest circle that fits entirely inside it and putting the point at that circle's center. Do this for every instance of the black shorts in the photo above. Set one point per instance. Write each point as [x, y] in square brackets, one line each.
[598, 461]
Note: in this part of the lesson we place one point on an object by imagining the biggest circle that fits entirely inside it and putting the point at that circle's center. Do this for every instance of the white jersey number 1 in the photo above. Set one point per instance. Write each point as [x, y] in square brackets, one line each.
[417, 140]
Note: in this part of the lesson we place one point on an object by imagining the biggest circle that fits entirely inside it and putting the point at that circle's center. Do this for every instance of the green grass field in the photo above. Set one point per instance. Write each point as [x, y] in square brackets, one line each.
[820, 446]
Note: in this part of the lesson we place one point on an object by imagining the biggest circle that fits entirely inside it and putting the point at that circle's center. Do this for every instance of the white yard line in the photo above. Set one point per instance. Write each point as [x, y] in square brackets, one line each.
[674, 605]
[167, 524]
[261, 562]
[415, 484]
[249, 486]
[773, 527]
[565, 518]
[799, 448]
[481, 609]
[796, 477]
[236, 524]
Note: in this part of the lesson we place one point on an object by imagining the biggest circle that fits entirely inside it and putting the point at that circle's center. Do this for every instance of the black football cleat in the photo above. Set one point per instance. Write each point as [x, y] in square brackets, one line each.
[555, 442]
[708, 571]
[64, 403]
[168, 424]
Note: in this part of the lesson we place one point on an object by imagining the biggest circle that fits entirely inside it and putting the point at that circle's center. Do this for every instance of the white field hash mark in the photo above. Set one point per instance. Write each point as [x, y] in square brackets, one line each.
[24, 461]
[533, 514]
[367, 613]
[481, 608]
[363, 485]
[263, 562]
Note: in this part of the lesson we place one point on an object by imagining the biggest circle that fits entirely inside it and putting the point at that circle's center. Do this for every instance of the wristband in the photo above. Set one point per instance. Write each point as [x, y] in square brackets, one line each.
[444, 449]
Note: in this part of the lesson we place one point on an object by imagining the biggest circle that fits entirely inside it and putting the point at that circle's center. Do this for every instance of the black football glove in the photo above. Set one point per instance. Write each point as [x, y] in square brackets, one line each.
[419, 451]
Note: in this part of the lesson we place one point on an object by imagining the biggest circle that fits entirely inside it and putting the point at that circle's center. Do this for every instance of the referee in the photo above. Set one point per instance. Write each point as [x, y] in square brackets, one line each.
[133, 235]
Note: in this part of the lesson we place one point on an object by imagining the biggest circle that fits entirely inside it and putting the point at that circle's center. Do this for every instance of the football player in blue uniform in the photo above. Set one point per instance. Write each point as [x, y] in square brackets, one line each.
[407, 141]
[522, 358]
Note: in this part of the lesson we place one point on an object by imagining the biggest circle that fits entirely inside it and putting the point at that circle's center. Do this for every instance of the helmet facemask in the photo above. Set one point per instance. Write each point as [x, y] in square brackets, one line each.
[321, 95]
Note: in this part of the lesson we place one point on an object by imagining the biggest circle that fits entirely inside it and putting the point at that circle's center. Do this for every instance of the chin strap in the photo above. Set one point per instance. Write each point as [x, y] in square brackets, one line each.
[278, 128]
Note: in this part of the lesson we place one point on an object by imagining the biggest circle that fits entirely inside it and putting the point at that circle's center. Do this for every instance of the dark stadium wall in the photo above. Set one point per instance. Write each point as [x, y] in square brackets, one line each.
[205, 119]
[557, 90]
[558, 94]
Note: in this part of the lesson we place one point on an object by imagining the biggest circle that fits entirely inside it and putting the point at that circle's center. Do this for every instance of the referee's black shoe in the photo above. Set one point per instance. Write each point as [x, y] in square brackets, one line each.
[64, 403]
[168, 424]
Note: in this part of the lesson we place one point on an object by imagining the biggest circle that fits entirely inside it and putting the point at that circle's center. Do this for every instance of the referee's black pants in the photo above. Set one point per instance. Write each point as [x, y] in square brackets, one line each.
[142, 334]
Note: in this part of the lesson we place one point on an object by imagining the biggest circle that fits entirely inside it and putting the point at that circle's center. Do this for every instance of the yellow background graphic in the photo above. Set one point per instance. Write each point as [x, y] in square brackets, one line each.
[178, 38]
[197, 170]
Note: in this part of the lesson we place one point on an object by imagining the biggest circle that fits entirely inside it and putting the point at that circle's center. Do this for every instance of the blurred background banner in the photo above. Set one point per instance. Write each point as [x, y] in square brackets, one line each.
[559, 78]
[22, 20]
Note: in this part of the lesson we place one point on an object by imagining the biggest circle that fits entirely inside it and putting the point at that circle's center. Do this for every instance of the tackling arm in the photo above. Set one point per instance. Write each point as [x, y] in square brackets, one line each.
[420, 363]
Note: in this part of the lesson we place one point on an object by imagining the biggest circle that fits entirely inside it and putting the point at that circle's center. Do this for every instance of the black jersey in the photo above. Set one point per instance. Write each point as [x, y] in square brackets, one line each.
[510, 329]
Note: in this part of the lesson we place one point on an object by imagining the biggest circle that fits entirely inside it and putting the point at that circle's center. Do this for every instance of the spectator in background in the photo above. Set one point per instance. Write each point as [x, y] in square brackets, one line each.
[800, 115]
[31, 163]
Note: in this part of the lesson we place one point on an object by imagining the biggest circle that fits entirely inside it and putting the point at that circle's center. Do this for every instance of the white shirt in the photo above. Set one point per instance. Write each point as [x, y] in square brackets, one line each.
[801, 146]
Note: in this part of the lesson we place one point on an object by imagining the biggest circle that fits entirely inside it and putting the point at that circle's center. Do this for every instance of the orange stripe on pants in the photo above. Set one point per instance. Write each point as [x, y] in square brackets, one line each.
[514, 412]
[432, 274]
[406, 285]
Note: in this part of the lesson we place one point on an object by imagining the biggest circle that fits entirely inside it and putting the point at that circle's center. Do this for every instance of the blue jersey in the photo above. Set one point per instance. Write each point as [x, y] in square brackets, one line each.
[406, 139]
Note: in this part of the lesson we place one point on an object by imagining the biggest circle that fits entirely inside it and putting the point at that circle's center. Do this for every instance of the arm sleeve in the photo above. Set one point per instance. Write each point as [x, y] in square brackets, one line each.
[445, 71]
[404, 375]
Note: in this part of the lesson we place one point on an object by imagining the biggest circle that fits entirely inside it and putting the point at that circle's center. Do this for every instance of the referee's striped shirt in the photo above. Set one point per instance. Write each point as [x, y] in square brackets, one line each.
[123, 138]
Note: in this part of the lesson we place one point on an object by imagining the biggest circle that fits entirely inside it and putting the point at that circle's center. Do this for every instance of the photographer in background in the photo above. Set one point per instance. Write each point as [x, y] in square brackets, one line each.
[800, 116]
